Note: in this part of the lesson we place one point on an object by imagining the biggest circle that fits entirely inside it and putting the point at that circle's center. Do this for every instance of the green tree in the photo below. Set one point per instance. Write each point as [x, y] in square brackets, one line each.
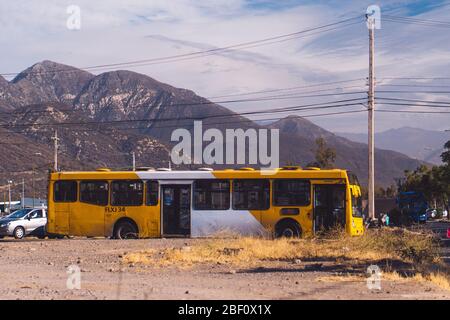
[324, 156]
[445, 156]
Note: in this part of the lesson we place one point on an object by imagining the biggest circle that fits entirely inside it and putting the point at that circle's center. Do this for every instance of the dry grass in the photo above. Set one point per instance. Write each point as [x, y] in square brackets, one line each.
[439, 279]
[414, 249]
[346, 278]
[247, 251]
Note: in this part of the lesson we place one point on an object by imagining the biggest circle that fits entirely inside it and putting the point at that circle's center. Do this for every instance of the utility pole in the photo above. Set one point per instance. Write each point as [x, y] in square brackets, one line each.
[9, 196]
[134, 160]
[23, 193]
[32, 184]
[32, 176]
[371, 117]
[55, 139]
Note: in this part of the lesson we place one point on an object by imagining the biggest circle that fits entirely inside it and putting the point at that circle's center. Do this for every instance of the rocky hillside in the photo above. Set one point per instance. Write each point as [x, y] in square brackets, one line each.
[102, 118]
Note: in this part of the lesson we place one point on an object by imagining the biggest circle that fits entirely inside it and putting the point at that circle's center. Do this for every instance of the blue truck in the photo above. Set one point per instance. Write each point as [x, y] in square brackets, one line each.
[413, 206]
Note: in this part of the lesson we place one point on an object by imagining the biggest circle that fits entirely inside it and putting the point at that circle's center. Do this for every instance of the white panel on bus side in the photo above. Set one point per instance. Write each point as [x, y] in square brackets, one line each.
[207, 223]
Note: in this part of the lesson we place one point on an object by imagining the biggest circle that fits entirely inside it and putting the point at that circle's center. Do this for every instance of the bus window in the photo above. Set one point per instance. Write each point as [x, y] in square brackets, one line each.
[152, 193]
[65, 191]
[94, 192]
[356, 207]
[211, 195]
[291, 192]
[127, 193]
[251, 194]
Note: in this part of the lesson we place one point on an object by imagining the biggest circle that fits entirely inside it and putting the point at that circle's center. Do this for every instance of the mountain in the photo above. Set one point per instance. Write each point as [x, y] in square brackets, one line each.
[349, 154]
[125, 95]
[426, 145]
[110, 115]
[43, 82]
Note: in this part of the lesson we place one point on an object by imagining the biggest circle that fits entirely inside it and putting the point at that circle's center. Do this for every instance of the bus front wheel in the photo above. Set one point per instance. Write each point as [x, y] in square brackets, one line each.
[288, 229]
[125, 230]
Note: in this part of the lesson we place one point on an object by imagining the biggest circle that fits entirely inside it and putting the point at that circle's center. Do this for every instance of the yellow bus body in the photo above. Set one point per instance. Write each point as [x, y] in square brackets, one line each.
[77, 218]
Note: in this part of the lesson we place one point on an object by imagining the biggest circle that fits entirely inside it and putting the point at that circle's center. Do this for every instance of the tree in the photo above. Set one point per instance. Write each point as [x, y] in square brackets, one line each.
[324, 156]
[445, 156]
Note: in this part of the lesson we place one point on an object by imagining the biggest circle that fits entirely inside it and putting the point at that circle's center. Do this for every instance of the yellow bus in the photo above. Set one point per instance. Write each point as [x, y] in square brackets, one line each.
[289, 201]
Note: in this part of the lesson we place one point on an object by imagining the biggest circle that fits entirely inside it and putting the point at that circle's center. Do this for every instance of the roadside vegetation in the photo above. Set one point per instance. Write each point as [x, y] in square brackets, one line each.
[401, 254]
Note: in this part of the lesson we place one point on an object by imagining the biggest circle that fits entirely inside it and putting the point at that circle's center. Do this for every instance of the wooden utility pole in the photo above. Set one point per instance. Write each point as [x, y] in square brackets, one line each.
[32, 183]
[9, 196]
[55, 139]
[23, 193]
[371, 117]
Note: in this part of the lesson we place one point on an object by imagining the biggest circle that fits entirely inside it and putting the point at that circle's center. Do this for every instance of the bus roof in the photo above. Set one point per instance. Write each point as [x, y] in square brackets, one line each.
[202, 174]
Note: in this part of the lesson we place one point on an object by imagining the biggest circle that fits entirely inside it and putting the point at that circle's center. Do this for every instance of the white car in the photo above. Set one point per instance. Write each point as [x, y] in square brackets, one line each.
[24, 222]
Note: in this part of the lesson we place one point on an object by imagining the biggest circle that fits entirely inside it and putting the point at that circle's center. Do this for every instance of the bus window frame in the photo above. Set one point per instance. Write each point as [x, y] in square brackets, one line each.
[274, 204]
[146, 202]
[90, 203]
[233, 205]
[126, 205]
[230, 194]
[61, 181]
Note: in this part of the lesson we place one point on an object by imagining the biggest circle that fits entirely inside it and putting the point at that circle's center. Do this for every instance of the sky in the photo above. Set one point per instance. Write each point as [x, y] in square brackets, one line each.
[119, 31]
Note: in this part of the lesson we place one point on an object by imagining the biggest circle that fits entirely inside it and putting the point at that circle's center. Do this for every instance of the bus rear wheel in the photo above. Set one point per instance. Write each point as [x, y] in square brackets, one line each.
[288, 229]
[125, 230]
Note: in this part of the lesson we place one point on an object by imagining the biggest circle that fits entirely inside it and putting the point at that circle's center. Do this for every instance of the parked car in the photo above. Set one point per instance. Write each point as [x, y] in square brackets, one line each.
[24, 222]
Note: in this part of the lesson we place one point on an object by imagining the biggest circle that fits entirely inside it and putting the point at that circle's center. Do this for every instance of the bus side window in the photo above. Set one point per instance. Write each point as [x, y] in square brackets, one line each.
[291, 192]
[65, 191]
[94, 192]
[152, 193]
[251, 194]
[127, 193]
[211, 195]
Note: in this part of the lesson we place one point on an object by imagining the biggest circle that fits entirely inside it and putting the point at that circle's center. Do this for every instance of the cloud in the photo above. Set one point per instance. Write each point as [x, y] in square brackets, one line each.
[115, 31]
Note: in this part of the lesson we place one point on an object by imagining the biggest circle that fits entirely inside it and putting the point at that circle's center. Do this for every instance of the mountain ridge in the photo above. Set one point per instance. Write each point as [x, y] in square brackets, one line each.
[423, 144]
[146, 112]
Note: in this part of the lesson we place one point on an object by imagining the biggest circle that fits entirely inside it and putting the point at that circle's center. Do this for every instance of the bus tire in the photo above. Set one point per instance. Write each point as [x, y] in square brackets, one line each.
[19, 232]
[125, 229]
[288, 229]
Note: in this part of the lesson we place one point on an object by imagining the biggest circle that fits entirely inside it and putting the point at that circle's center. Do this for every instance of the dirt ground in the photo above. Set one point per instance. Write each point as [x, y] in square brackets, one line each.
[37, 269]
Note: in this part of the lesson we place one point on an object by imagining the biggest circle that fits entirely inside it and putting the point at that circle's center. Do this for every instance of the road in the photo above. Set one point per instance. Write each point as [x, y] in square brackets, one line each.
[37, 269]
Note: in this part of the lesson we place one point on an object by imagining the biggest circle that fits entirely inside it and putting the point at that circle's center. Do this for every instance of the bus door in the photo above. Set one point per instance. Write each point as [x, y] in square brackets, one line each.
[329, 206]
[176, 210]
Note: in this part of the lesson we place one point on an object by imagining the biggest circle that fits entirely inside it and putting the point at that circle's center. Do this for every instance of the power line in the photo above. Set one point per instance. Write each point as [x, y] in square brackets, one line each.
[243, 120]
[266, 98]
[227, 50]
[415, 78]
[415, 91]
[447, 23]
[197, 54]
[286, 89]
[414, 100]
[417, 112]
[421, 22]
[414, 85]
[323, 105]
[415, 105]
